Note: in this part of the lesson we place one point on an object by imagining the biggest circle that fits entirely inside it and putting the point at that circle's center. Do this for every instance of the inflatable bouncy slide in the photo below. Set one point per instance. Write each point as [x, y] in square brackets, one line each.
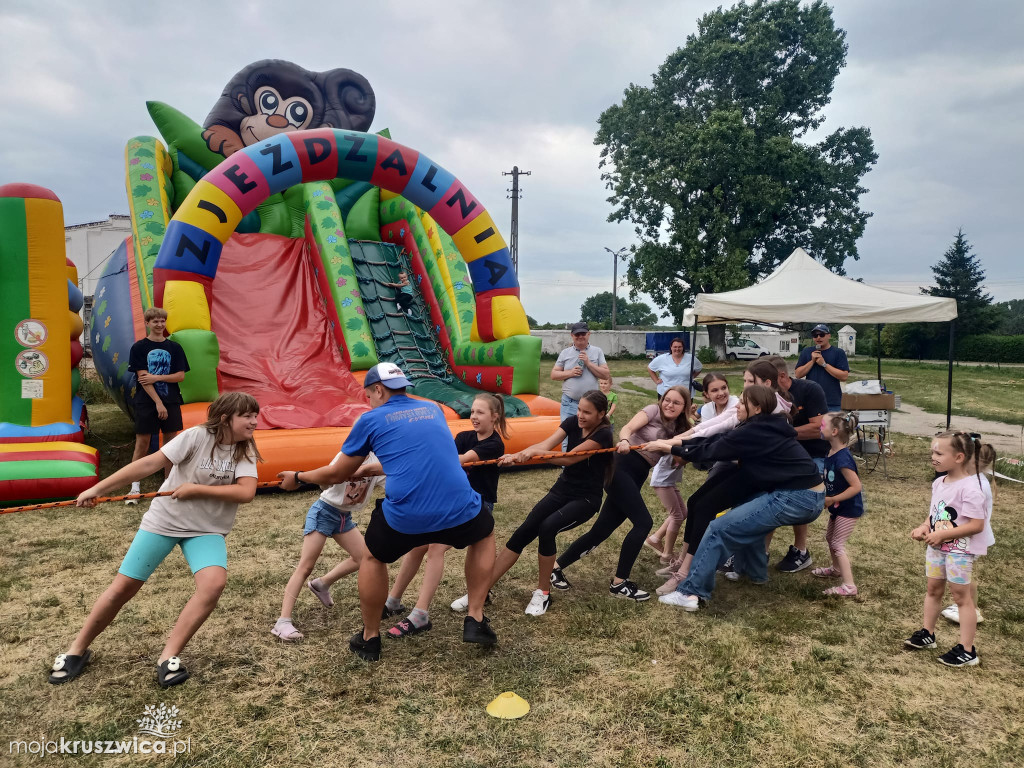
[42, 457]
[275, 236]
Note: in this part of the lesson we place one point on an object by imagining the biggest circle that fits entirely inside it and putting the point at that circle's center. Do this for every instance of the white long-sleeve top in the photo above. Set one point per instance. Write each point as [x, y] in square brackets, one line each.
[728, 419]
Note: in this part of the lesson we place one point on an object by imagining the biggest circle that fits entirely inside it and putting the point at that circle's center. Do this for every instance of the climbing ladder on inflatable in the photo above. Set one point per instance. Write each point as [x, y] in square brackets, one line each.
[406, 339]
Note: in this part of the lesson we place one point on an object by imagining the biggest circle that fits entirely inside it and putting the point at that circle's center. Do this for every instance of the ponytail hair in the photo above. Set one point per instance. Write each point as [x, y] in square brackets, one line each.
[764, 370]
[497, 406]
[218, 422]
[843, 421]
[969, 444]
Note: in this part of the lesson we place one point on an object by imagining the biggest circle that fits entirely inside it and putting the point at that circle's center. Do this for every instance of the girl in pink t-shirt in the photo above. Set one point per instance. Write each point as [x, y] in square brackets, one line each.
[957, 530]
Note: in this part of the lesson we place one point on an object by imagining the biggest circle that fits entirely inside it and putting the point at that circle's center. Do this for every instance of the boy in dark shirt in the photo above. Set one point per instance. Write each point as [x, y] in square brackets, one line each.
[159, 364]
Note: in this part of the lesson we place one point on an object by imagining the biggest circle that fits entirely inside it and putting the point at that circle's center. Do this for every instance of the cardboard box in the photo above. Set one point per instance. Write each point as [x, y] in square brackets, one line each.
[886, 402]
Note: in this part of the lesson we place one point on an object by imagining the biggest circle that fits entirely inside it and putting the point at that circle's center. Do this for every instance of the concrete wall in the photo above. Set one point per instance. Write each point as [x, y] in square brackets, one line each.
[620, 343]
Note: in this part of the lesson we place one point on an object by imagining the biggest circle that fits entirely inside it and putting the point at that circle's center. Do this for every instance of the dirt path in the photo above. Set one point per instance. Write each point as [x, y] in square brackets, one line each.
[911, 420]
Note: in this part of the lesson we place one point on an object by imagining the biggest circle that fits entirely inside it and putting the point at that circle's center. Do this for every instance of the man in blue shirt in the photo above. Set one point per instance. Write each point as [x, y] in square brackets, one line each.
[825, 365]
[427, 500]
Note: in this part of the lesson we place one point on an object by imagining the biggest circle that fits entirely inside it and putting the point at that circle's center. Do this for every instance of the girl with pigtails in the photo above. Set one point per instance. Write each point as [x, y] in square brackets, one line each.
[843, 500]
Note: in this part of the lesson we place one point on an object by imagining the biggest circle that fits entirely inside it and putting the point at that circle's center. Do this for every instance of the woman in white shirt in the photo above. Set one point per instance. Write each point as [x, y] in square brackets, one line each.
[673, 368]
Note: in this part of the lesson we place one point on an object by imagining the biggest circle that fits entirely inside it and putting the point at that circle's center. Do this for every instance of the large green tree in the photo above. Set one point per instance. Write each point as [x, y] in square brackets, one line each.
[1011, 317]
[959, 275]
[597, 310]
[714, 165]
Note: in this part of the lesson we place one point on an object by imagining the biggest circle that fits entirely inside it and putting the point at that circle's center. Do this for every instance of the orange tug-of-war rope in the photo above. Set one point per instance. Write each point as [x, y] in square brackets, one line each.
[540, 459]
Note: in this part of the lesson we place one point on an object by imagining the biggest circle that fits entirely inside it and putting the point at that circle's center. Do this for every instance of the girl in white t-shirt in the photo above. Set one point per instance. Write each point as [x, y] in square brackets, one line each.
[211, 469]
[329, 517]
[957, 531]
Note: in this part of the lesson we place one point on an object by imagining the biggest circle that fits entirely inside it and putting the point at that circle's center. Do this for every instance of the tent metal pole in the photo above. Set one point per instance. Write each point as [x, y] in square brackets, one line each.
[878, 348]
[693, 353]
[949, 380]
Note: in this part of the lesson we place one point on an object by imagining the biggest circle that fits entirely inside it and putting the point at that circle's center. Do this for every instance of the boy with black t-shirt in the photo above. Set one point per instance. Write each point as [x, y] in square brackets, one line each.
[159, 364]
[808, 408]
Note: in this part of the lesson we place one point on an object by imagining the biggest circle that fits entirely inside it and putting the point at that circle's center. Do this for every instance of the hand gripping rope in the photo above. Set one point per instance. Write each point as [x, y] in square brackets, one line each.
[539, 459]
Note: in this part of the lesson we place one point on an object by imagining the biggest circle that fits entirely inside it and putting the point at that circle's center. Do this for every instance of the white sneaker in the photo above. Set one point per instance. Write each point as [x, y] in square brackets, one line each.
[952, 613]
[732, 575]
[539, 603]
[461, 605]
[679, 600]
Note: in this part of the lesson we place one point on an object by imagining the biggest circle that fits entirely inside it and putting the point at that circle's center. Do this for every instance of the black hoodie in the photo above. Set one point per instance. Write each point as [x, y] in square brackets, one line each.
[767, 450]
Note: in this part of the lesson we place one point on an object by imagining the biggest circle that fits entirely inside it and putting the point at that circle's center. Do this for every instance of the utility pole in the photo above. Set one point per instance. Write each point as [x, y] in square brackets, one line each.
[513, 248]
[616, 255]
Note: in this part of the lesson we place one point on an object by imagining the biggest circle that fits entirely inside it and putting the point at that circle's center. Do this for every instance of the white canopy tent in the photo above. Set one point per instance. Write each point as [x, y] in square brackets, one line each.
[803, 291]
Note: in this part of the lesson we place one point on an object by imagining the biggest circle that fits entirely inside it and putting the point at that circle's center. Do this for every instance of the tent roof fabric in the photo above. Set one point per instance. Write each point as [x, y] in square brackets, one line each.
[803, 291]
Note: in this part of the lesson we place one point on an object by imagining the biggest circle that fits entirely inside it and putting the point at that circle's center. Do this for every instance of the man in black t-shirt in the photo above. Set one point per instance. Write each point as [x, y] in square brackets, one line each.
[808, 408]
[159, 364]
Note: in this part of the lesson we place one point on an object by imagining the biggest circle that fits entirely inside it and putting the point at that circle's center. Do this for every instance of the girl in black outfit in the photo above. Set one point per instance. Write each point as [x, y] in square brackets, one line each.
[572, 500]
[660, 421]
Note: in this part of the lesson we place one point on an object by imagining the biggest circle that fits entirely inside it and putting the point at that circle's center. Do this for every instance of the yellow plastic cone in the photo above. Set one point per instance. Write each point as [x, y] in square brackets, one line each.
[508, 706]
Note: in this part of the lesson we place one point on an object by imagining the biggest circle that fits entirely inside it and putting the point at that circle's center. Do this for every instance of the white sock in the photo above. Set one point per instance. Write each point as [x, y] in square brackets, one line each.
[136, 488]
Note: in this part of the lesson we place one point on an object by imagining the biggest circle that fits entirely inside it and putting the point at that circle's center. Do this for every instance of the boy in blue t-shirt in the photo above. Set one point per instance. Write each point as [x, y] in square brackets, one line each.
[428, 500]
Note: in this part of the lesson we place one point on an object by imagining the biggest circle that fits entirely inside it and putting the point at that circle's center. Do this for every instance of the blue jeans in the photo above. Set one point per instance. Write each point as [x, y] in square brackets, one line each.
[741, 531]
[569, 407]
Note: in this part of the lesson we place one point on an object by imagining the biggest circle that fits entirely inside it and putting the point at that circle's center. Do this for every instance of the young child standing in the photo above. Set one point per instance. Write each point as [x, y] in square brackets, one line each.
[330, 517]
[482, 443]
[605, 385]
[843, 499]
[957, 532]
[212, 469]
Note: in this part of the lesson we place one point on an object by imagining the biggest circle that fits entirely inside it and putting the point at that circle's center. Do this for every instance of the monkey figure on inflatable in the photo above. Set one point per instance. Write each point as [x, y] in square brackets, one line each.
[271, 97]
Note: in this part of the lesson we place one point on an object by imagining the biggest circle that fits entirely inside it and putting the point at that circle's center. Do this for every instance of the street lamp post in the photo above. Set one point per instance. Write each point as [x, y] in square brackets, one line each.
[616, 255]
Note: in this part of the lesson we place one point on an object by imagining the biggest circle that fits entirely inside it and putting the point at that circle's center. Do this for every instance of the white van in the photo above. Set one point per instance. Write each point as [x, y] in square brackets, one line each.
[745, 350]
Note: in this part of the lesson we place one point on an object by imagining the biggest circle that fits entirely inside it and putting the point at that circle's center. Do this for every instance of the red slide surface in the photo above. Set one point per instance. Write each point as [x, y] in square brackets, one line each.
[275, 337]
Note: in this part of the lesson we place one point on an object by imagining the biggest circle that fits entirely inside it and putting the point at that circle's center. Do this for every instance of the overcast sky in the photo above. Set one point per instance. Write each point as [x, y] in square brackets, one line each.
[481, 87]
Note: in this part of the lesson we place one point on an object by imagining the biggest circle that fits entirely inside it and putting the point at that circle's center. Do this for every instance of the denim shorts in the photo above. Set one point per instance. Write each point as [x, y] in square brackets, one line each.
[148, 550]
[954, 567]
[328, 520]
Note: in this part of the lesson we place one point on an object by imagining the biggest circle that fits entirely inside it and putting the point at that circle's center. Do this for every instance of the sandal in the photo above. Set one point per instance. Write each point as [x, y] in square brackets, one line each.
[171, 672]
[71, 667]
[323, 594]
[405, 628]
[286, 632]
[825, 572]
[843, 590]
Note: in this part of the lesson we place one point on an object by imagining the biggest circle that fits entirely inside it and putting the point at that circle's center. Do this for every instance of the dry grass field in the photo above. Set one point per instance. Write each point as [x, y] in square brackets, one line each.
[768, 676]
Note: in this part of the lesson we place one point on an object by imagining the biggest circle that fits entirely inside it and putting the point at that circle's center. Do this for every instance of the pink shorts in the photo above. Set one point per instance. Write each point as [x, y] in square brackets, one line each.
[954, 567]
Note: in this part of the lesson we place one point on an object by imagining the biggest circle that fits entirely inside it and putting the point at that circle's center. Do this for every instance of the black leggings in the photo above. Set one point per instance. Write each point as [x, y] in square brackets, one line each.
[555, 513]
[623, 501]
[727, 486]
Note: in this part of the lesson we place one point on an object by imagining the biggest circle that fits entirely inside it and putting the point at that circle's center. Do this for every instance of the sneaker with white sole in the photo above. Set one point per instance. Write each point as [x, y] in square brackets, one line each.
[958, 657]
[794, 561]
[462, 604]
[952, 613]
[679, 600]
[732, 575]
[558, 580]
[920, 639]
[629, 591]
[539, 603]
[670, 585]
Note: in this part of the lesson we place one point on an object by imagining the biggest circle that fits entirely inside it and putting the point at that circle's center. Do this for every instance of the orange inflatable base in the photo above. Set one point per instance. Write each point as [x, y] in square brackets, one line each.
[305, 449]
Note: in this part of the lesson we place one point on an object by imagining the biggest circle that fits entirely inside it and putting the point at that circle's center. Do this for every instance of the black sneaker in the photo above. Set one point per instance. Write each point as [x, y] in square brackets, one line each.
[628, 590]
[958, 657]
[727, 565]
[367, 650]
[474, 631]
[558, 580]
[387, 613]
[794, 561]
[921, 639]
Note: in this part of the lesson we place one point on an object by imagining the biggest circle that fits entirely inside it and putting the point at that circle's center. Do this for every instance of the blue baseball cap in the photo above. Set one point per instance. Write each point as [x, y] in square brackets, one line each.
[388, 374]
